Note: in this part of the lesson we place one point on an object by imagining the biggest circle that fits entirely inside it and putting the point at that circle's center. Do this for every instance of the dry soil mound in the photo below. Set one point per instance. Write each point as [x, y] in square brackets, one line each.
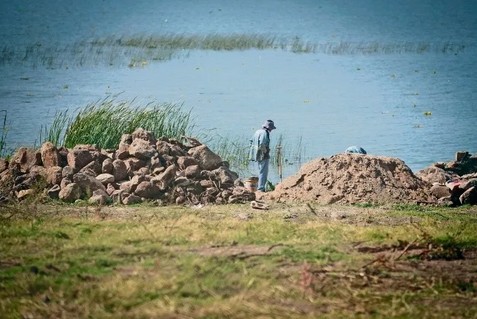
[354, 178]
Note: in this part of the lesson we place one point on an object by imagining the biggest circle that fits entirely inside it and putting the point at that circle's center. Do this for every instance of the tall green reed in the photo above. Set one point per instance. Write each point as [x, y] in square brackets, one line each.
[233, 150]
[286, 152]
[236, 152]
[3, 134]
[56, 132]
[104, 122]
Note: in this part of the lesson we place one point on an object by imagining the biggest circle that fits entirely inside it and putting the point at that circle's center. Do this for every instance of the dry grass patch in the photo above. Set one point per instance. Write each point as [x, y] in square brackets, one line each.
[292, 261]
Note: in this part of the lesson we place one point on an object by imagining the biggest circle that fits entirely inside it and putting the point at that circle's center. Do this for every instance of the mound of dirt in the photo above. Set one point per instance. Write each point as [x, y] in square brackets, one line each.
[353, 178]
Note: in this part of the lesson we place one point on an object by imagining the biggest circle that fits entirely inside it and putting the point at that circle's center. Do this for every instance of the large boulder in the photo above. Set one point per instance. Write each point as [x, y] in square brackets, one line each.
[207, 159]
[130, 185]
[54, 175]
[163, 148]
[50, 156]
[165, 179]
[177, 150]
[120, 170]
[78, 158]
[99, 197]
[24, 158]
[107, 166]
[88, 184]
[134, 164]
[142, 149]
[142, 134]
[434, 174]
[131, 199]
[94, 166]
[123, 149]
[70, 193]
[192, 171]
[440, 191]
[147, 189]
[105, 178]
[185, 161]
[469, 196]
[225, 176]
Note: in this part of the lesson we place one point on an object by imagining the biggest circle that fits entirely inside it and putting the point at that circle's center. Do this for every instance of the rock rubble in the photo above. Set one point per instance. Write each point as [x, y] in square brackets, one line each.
[453, 183]
[169, 171]
[142, 168]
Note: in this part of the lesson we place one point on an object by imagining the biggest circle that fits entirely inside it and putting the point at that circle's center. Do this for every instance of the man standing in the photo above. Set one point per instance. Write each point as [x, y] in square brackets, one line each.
[260, 152]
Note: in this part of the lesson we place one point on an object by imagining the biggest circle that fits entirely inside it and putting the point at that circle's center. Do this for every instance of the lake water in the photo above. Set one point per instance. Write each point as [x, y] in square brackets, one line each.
[379, 68]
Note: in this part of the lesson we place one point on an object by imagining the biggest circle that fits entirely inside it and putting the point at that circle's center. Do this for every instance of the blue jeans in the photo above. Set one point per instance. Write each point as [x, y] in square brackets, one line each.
[262, 174]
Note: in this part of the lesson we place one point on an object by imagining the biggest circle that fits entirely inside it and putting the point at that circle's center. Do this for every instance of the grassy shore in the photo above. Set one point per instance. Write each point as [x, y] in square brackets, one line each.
[230, 261]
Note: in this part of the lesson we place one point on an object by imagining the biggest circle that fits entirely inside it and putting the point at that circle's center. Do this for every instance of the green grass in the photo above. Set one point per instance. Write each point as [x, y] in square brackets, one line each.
[149, 262]
[104, 122]
[3, 134]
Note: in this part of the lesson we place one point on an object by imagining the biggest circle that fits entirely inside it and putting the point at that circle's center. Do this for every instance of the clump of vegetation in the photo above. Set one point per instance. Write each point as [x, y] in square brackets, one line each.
[233, 150]
[3, 134]
[136, 51]
[104, 122]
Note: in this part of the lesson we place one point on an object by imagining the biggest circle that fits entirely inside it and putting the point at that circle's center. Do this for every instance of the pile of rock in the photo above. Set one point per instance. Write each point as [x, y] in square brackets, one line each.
[453, 183]
[141, 168]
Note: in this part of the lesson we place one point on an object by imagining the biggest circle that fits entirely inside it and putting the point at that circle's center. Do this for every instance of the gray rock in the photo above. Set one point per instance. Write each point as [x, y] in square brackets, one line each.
[107, 166]
[105, 178]
[469, 196]
[440, 191]
[132, 199]
[147, 189]
[70, 193]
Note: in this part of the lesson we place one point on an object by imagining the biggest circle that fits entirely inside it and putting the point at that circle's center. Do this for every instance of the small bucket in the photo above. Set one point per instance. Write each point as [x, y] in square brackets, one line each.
[251, 184]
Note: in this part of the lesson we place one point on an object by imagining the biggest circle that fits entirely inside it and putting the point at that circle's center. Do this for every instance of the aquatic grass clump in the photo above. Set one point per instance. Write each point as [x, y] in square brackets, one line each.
[285, 153]
[233, 150]
[215, 42]
[3, 134]
[104, 122]
[138, 50]
[236, 152]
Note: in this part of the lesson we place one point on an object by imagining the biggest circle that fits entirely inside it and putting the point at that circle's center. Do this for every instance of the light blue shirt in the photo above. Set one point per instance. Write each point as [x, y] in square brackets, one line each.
[260, 146]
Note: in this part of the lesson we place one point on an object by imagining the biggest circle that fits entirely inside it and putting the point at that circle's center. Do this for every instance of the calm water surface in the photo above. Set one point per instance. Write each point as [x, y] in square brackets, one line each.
[322, 100]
